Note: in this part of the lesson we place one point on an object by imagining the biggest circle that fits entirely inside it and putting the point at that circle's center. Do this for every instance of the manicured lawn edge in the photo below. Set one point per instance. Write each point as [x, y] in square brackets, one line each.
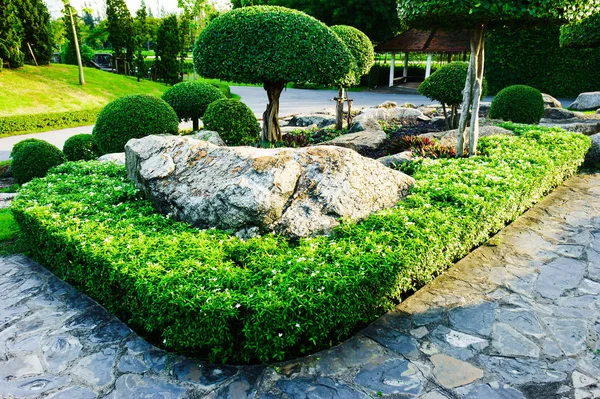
[24, 124]
[267, 299]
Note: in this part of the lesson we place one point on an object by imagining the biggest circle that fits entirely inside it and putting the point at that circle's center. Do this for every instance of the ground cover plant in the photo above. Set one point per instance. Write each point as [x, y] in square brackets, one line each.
[208, 293]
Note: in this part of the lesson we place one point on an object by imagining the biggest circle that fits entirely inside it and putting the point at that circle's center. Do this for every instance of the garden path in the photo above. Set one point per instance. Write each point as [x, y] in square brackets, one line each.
[518, 318]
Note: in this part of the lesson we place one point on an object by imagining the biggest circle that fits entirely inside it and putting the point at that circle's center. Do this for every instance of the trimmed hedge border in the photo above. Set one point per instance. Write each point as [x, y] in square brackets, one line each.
[206, 292]
[20, 124]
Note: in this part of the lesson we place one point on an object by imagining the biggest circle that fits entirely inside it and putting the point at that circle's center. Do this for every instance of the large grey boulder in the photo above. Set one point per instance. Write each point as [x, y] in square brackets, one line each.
[575, 125]
[593, 156]
[558, 113]
[368, 118]
[550, 102]
[450, 137]
[587, 101]
[361, 142]
[321, 120]
[295, 192]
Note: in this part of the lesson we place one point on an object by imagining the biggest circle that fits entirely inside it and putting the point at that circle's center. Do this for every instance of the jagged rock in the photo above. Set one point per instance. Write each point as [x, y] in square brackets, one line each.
[593, 156]
[484, 109]
[450, 137]
[403, 157]
[387, 104]
[370, 116]
[558, 113]
[551, 102]
[587, 101]
[438, 122]
[408, 105]
[321, 120]
[575, 125]
[598, 111]
[210, 136]
[365, 125]
[117, 157]
[295, 192]
[361, 142]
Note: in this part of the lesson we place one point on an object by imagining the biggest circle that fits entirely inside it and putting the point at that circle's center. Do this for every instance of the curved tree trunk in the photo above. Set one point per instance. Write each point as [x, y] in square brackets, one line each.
[195, 125]
[472, 94]
[339, 109]
[271, 132]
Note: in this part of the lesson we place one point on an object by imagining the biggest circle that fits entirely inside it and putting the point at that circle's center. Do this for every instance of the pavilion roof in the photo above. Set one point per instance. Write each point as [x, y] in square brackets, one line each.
[436, 41]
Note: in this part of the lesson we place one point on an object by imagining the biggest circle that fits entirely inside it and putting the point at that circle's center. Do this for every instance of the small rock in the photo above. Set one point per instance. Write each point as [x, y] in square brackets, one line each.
[452, 373]
[558, 113]
[387, 104]
[365, 125]
[419, 332]
[593, 156]
[450, 137]
[402, 157]
[551, 102]
[484, 109]
[117, 157]
[368, 140]
[320, 120]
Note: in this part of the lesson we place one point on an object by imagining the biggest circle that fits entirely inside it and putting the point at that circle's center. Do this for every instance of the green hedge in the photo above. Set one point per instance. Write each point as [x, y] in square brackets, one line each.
[206, 292]
[38, 122]
[533, 57]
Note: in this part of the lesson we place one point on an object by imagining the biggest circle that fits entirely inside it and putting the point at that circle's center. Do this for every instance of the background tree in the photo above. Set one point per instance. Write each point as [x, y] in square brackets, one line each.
[581, 33]
[88, 18]
[141, 32]
[120, 31]
[272, 46]
[37, 33]
[185, 36]
[363, 58]
[168, 47]
[478, 16]
[377, 19]
[11, 34]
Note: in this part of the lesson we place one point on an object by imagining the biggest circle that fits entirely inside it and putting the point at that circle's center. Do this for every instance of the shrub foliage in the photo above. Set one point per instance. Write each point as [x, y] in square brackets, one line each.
[582, 33]
[519, 104]
[361, 49]
[190, 99]
[265, 299]
[234, 121]
[33, 159]
[81, 147]
[133, 117]
[37, 122]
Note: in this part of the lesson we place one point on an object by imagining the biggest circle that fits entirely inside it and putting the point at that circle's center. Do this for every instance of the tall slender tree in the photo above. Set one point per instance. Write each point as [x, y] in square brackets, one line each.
[37, 33]
[70, 16]
[11, 34]
[168, 47]
[141, 32]
[120, 32]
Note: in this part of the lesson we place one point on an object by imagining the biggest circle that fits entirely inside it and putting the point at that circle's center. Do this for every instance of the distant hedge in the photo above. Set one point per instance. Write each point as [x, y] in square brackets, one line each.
[534, 57]
[36, 122]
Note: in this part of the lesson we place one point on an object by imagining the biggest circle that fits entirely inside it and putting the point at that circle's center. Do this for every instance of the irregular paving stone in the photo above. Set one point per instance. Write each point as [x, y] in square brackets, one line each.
[75, 392]
[32, 387]
[570, 334]
[420, 332]
[452, 373]
[394, 340]
[434, 395]
[589, 287]
[23, 344]
[581, 380]
[589, 363]
[326, 388]
[508, 342]
[558, 276]
[571, 251]
[137, 346]
[242, 386]
[135, 386]
[25, 366]
[521, 371]
[485, 391]
[522, 320]
[462, 340]
[129, 364]
[429, 317]
[541, 391]
[60, 350]
[476, 319]
[566, 365]
[354, 353]
[444, 340]
[392, 377]
[202, 373]
[113, 332]
[96, 369]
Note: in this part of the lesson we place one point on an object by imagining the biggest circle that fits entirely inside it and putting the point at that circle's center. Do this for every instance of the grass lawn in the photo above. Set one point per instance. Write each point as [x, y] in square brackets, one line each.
[8, 226]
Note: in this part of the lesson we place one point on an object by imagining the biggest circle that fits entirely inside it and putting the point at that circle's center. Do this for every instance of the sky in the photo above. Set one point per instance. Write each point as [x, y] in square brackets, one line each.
[55, 6]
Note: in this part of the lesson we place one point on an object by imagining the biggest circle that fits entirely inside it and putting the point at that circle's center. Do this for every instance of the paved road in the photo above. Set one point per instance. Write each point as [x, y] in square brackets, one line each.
[517, 320]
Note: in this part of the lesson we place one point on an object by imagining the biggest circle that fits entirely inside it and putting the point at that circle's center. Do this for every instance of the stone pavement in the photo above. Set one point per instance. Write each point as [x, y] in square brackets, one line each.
[518, 318]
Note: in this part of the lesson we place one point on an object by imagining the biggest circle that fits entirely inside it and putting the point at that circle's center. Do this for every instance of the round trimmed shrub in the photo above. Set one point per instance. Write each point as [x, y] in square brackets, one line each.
[34, 159]
[233, 120]
[519, 104]
[81, 147]
[446, 85]
[190, 99]
[21, 144]
[133, 117]
[360, 48]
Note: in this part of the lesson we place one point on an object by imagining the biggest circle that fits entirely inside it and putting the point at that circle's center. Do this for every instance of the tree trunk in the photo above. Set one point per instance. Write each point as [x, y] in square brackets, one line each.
[195, 125]
[448, 121]
[339, 110]
[472, 94]
[271, 132]
[77, 52]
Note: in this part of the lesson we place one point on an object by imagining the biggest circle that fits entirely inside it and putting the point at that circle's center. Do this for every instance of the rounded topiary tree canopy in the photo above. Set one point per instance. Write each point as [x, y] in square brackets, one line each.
[582, 33]
[233, 120]
[519, 104]
[446, 85]
[133, 117]
[190, 99]
[360, 48]
[273, 46]
[81, 147]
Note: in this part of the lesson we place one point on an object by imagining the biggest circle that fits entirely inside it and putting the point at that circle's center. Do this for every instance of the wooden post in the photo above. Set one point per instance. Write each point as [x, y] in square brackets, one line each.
[349, 112]
[33, 55]
[79, 63]
[428, 69]
[392, 66]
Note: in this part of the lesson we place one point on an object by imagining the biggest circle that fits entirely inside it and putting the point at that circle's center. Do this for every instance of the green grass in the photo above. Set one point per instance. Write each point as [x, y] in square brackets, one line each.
[8, 226]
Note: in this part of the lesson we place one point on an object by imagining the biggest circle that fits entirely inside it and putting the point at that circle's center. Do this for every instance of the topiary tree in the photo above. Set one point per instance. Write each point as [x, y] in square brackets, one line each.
[81, 147]
[446, 86]
[272, 46]
[363, 56]
[233, 120]
[34, 159]
[133, 117]
[478, 16]
[190, 99]
[519, 104]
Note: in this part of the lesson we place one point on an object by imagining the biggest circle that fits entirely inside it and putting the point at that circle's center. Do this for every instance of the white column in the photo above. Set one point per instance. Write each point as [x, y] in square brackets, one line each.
[405, 74]
[428, 69]
[392, 66]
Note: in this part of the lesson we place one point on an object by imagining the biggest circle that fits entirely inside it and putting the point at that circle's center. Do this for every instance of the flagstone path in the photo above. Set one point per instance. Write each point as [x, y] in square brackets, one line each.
[518, 318]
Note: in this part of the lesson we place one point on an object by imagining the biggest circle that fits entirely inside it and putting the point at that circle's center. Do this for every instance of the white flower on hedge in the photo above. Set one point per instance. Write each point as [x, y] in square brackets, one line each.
[280, 335]
[237, 306]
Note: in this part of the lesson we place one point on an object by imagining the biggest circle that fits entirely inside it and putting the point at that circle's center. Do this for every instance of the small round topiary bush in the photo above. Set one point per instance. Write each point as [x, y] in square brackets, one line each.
[190, 99]
[133, 117]
[519, 104]
[21, 144]
[34, 159]
[233, 120]
[81, 147]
